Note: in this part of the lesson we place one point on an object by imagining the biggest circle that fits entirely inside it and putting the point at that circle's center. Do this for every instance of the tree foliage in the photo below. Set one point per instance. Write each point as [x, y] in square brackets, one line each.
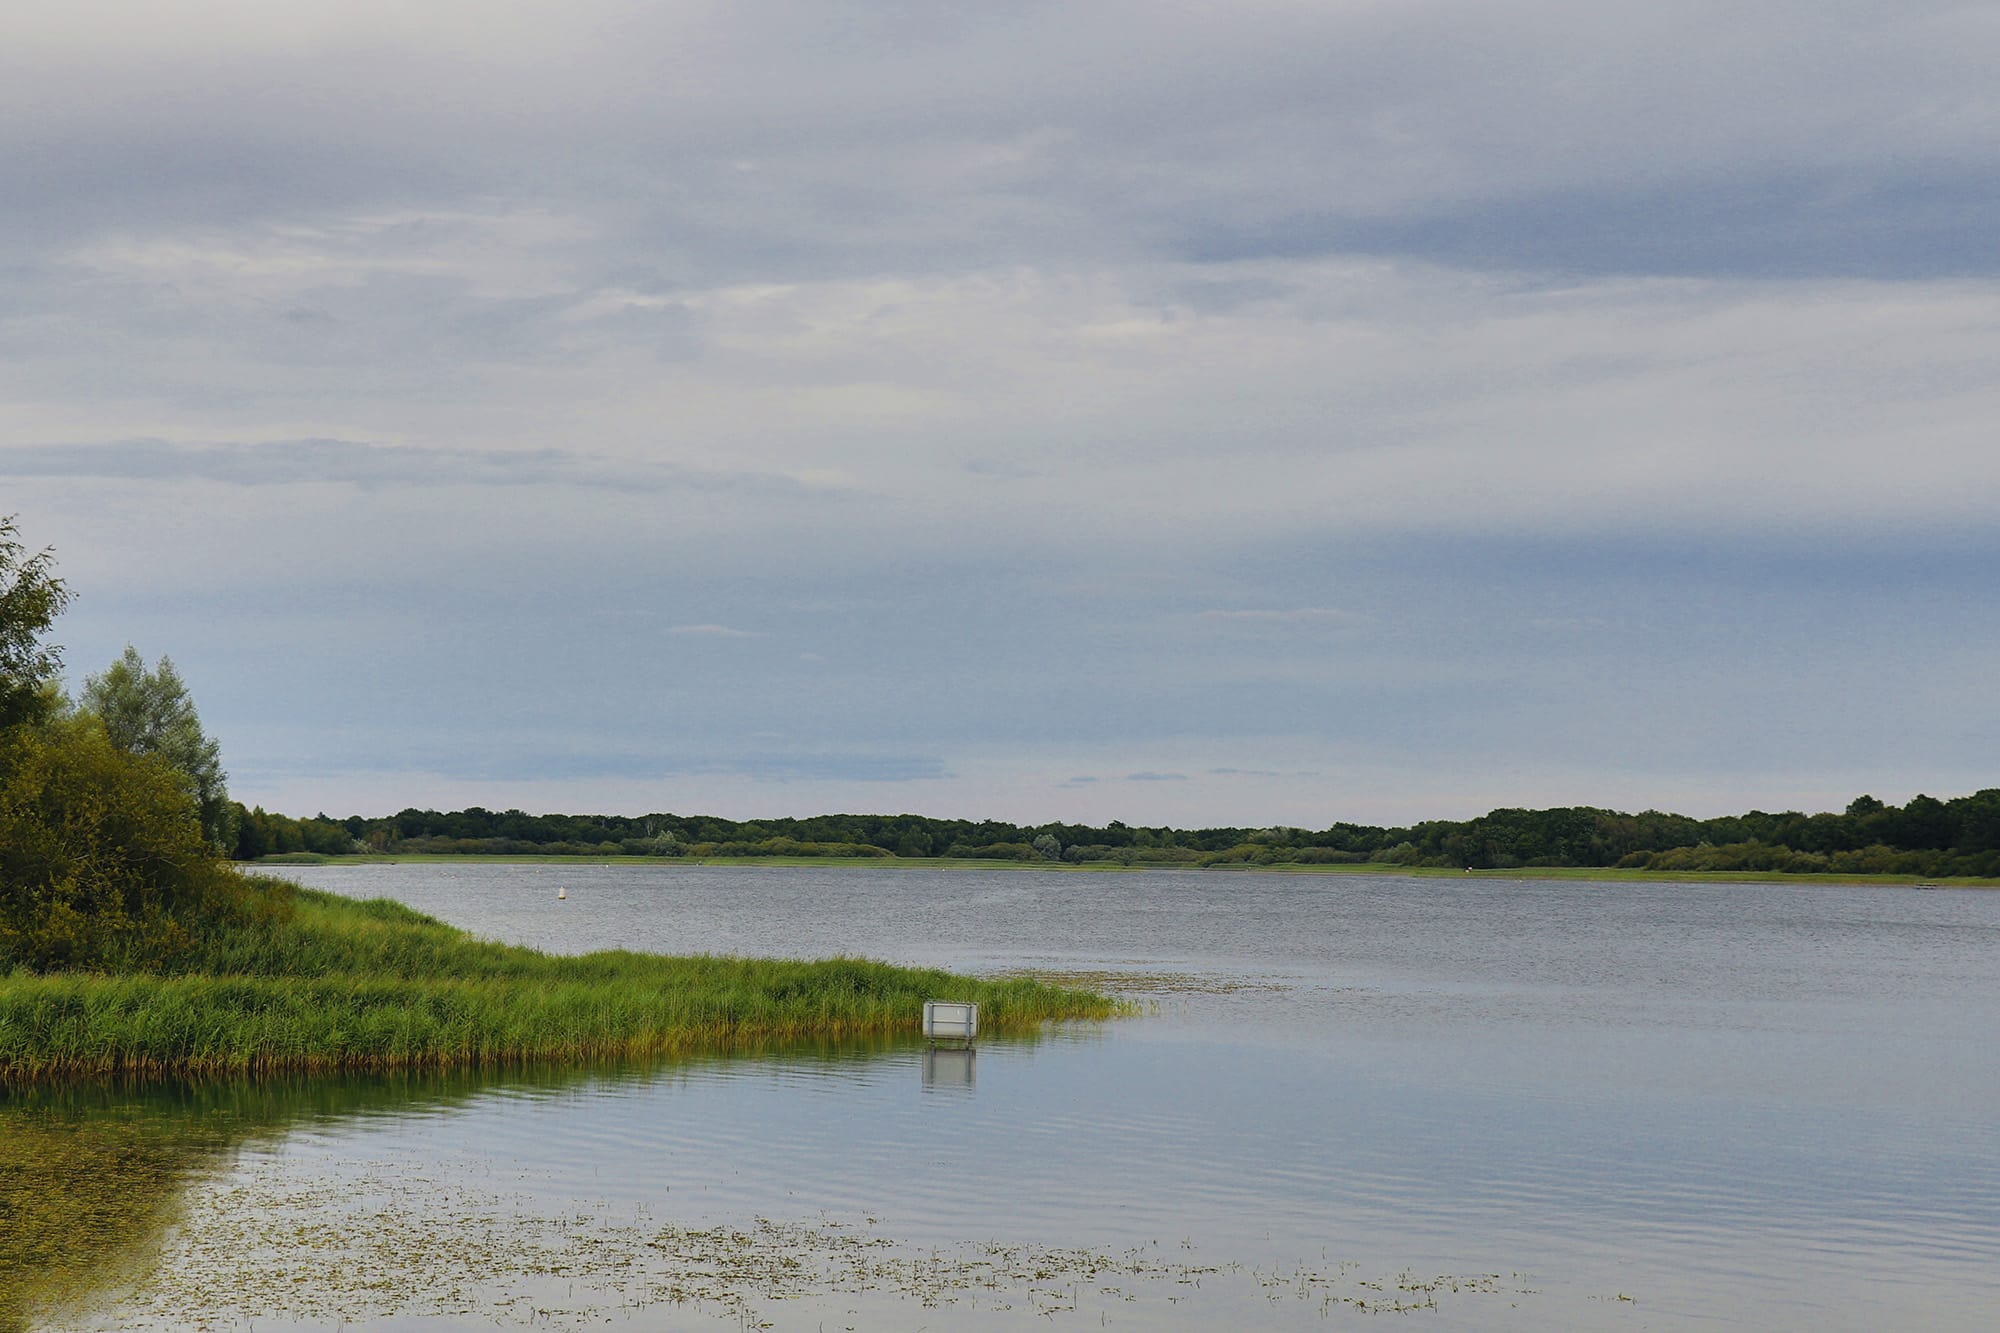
[1927, 836]
[102, 864]
[30, 599]
[103, 861]
[150, 713]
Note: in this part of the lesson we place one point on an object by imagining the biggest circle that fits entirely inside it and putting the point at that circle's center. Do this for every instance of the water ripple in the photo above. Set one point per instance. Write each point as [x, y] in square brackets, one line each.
[1740, 1101]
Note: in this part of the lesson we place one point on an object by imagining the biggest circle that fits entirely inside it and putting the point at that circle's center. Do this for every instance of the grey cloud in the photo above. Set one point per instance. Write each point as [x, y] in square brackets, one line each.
[805, 141]
[296, 462]
[159, 171]
[1000, 469]
[1220, 295]
[821, 767]
[1589, 623]
[1300, 615]
[716, 632]
[633, 227]
[459, 762]
[1783, 226]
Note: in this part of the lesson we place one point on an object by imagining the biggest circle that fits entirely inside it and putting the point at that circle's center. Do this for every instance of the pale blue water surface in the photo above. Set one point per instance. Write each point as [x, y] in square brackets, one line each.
[1616, 1105]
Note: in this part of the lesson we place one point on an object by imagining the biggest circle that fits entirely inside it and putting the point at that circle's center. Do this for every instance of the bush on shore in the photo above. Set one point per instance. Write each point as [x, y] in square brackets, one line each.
[103, 865]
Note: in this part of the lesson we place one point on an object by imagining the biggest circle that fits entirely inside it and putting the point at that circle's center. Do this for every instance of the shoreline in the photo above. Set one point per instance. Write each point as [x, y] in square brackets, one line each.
[1604, 874]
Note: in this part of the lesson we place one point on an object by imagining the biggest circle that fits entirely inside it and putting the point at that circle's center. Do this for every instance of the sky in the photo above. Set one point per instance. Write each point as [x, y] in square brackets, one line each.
[1251, 413]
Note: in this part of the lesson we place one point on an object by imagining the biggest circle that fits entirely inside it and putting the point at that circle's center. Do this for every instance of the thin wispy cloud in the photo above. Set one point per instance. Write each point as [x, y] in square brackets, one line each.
[711, 631]
[1299, 615]
[369, 466]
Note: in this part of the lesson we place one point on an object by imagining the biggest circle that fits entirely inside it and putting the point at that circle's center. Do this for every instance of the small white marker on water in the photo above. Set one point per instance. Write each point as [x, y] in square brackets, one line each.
[562, 891]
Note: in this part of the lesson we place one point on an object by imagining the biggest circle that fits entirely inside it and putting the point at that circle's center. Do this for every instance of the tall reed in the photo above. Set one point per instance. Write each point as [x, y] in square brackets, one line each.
[337, 984]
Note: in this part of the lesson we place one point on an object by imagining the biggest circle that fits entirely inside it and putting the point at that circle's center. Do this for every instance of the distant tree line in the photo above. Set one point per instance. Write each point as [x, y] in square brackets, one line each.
[1927, 836]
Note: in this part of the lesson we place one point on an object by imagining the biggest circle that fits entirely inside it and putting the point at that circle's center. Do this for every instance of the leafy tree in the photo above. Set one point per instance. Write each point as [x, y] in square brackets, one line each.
[30, 600]
[1924, 823]
[149, 713]
[1979, 820]
[101, 862]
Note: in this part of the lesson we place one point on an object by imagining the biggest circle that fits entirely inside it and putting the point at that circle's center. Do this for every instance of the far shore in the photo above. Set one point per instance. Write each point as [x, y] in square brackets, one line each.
[897, 863]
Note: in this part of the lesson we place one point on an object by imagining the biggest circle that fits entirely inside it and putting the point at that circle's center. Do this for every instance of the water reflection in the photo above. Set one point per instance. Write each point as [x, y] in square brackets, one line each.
[950, 1069]
[93, 1176]
[85, 1188]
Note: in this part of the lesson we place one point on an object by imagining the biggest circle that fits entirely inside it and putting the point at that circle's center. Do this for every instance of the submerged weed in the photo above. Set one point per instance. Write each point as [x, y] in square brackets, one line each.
[393, 1243]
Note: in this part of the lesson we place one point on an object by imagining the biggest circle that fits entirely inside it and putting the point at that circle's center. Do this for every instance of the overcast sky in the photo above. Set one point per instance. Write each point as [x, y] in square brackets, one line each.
[1177, 412]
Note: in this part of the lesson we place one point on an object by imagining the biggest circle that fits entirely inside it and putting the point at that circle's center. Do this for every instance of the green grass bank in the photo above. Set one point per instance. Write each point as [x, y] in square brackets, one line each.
[335, 985]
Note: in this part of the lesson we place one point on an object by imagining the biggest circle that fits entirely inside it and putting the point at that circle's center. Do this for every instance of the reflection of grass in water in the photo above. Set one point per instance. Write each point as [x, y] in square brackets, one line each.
[82, 1199]
[92, 1175]
[141, 1195]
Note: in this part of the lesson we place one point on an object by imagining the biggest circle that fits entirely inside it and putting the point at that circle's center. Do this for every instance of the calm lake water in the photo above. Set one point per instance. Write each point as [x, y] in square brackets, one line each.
[1495, 1104]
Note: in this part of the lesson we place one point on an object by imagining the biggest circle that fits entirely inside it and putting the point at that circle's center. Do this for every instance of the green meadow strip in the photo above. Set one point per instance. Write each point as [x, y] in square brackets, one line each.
[345, 985]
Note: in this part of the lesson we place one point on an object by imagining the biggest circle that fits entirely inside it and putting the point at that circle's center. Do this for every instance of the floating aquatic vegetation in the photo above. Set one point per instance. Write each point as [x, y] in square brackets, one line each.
[383, 1241]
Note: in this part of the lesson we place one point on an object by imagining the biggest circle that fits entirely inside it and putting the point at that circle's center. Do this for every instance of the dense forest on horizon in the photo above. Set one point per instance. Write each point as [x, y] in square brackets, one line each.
[1927, 836]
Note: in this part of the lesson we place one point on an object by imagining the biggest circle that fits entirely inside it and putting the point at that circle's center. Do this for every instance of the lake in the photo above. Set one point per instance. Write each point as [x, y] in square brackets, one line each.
[1484, 1103]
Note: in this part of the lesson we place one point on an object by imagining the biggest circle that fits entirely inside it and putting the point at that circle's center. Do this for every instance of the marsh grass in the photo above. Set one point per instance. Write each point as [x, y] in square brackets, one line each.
[339, 985]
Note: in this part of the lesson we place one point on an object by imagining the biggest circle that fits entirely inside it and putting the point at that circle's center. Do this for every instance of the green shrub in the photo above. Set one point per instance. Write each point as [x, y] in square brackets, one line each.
[103, 865]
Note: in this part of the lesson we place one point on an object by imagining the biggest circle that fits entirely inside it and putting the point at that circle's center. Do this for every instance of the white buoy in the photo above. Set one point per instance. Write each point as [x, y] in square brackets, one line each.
[562, 891]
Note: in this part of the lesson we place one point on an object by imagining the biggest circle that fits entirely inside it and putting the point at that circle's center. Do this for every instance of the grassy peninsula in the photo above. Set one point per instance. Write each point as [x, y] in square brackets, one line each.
[317, 982]
[129, 946]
